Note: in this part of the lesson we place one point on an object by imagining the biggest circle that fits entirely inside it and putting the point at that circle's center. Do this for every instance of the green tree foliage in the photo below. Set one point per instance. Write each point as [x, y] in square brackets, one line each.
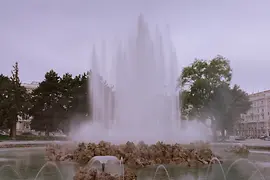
[199, 81]
[81, 103]
[227, 104]
[14, 100]
[45, 102]
[5, 85]
[240, 104]
[67, 86]
[74, 99]
[207, 93]
[57, 100]
[19, 101]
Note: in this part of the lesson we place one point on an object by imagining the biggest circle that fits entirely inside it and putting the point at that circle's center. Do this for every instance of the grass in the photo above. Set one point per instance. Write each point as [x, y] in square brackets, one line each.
[33, 138]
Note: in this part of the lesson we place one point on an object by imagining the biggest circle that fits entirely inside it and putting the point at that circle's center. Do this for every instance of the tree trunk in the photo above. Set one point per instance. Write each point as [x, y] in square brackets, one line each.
[214, 130]
[230, 131]
[223, 133]
[12, 132]
[47, 132]
[66, 126]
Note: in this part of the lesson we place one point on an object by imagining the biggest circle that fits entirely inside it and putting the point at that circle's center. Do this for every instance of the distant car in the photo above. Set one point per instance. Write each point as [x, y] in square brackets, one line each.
[58, 134]
[27, 134]
[3, 133]
[231, 138]
[239, 138]
[267, 138]
[263, 137]
[220, 139]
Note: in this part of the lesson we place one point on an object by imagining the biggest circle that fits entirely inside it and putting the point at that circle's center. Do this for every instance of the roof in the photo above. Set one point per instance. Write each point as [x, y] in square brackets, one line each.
[260, 93]
[32, 85]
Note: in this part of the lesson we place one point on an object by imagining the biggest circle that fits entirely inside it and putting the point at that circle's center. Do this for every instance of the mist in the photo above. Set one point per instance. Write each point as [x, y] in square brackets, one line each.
[139, 101]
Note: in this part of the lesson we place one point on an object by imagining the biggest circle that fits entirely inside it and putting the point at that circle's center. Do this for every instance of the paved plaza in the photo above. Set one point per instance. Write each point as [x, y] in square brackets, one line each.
[248, 142]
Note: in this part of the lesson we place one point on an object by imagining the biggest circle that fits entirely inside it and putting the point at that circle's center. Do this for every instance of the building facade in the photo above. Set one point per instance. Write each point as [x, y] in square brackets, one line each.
[30, 86]
[256, 121]
[24, 125]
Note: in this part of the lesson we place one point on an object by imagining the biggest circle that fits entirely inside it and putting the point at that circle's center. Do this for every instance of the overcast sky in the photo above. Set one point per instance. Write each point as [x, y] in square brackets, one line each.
[58, 34]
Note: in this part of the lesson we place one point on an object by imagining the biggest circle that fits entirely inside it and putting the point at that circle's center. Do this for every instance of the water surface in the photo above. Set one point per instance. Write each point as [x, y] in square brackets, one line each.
[27, 162]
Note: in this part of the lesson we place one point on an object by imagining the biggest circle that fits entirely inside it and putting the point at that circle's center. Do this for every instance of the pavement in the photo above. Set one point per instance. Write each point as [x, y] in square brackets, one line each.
[32, 142]
[247, 142]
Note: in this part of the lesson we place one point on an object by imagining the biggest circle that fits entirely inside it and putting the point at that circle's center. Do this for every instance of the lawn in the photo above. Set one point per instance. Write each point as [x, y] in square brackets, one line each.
[33, 138]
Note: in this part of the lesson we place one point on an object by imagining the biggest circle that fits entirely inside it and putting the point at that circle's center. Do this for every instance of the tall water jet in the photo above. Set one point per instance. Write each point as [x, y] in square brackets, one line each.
[134, 94]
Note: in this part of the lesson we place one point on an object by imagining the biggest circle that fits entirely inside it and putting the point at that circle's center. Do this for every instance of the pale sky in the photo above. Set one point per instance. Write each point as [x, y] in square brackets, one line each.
[58, 34]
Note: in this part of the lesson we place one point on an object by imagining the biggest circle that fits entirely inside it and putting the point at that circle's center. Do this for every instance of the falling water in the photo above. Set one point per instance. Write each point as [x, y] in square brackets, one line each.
[134, 94]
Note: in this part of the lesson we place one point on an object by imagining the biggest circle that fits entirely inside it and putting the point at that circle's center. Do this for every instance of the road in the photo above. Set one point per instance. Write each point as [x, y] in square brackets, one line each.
[247, 142]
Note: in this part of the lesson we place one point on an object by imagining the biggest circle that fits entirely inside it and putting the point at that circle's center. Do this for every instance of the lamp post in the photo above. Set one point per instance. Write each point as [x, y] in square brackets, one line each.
[267, 115]
[257, 127]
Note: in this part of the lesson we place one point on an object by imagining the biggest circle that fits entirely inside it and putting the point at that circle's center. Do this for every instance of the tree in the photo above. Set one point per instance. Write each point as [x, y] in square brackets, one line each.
[14, 100]
[240, 105]
[5, 85]
[19, 101]
[227, 105]
[82, 103]
[207, 93]
[57, 100]
[68, 87]
[198, 82]
[45, 99]
[74, 100]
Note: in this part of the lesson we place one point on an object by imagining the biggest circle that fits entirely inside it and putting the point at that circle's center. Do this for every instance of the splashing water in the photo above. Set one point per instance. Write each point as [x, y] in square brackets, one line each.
[163, 167]
[103, 159]
[47, 164]
[250, 162]
[220, 165]
[122, 167]
[225, 175]
[254, 173]
[107, 160]
[10, 167]
[92, 162]
[134, 95]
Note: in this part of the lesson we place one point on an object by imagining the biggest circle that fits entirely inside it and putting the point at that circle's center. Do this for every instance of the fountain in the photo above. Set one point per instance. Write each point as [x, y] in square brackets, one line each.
[107, 164]
[134, 95]
[139, 103]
